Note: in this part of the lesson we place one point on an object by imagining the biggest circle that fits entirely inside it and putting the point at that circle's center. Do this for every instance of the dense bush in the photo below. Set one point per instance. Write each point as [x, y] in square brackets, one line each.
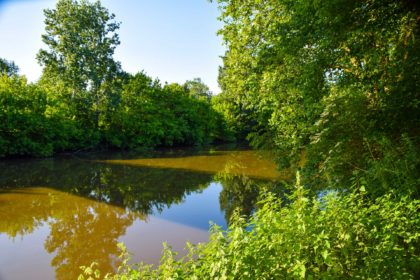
[330, 236]
[151, 115]
[36, 121]
[43, 118]
[24, 127]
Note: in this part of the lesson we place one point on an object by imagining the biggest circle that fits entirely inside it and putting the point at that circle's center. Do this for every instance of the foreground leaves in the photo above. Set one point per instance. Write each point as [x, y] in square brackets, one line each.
[334, 235]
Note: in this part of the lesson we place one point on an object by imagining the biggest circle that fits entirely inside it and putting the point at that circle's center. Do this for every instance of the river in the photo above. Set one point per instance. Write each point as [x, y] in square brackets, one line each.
[60, 213]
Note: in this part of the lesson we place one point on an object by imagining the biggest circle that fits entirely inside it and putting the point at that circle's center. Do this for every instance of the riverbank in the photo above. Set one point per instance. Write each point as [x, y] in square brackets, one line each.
[338, 236]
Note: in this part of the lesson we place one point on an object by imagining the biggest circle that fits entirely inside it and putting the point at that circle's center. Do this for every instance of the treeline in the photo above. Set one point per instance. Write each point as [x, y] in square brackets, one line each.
[84, 100]
[332, 87]
[43, 118]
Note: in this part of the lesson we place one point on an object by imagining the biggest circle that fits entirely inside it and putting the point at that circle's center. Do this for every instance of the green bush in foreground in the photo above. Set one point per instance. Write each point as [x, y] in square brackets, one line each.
[328, 237]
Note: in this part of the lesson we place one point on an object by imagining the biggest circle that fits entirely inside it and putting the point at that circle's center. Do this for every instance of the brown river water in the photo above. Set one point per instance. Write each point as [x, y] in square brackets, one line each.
[60, 213]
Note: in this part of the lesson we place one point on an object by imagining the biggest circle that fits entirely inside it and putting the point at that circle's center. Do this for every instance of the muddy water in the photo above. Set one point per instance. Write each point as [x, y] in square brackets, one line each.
[61, 213]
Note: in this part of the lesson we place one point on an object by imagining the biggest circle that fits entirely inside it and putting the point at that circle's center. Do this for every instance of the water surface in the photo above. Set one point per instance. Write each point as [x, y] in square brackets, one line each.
[60, 213]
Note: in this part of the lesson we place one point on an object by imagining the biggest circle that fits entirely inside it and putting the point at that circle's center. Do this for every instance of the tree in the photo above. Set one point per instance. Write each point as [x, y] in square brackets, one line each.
[8, 68]
[335, 82]
[24, 127]
[198, 89]
[81, 38]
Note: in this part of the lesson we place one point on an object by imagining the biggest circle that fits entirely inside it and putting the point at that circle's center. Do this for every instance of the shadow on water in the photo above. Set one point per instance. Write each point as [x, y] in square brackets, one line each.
[88, 205]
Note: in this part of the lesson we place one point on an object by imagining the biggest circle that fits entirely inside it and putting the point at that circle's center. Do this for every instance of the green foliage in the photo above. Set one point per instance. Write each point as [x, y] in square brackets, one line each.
[43, 118]
[36, 123]
[336, 80]
[198, 89]
[152, 115]
[70, 131]
[8, 68]
[81, 39]
[24, 128]
[84, 101]
[234, 128]
[330, 236]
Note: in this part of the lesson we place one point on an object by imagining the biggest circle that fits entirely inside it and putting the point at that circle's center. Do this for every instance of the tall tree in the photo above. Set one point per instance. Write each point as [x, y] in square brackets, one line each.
[81, 38]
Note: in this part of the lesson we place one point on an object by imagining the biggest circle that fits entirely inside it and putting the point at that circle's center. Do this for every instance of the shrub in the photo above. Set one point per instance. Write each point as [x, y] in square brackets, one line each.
[334, 235]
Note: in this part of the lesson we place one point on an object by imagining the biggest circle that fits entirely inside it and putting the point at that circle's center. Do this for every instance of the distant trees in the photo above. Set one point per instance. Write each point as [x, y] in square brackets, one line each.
[36, 118]
[150, 114]
[198, 89]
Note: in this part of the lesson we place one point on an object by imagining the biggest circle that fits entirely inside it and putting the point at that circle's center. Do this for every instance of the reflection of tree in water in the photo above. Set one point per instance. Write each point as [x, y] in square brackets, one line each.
[23, 210]
[88, 232]
[143, 189]
[241, 193]
[81, 230]
[84, 228]
[139, 189]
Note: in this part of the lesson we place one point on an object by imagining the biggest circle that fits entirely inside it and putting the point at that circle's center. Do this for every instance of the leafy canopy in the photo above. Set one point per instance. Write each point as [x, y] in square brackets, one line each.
[334, 82]
[81, 38]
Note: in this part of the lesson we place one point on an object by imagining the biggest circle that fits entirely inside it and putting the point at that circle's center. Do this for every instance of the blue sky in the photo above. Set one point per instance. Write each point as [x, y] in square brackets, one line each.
[173, 40]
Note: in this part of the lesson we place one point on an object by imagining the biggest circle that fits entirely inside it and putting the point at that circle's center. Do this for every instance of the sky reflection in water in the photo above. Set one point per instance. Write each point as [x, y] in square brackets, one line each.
[58, 214]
